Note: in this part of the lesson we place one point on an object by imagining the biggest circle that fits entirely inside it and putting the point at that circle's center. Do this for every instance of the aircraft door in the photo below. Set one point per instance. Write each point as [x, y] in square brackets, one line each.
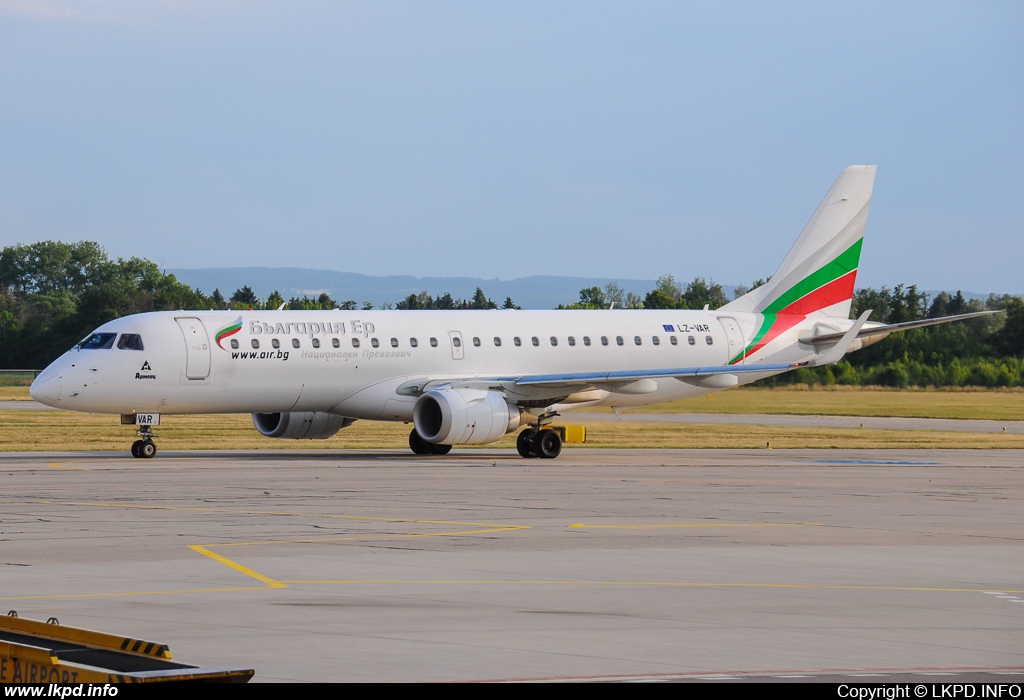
[197, 347]
[734, 337]
[458, 351]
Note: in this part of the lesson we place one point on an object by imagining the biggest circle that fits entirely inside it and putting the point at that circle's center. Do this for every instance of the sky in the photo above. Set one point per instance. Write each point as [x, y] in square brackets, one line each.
[507, 139]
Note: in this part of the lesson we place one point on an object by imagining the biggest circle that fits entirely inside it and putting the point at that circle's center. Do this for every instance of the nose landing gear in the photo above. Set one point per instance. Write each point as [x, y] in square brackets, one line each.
[144, 448]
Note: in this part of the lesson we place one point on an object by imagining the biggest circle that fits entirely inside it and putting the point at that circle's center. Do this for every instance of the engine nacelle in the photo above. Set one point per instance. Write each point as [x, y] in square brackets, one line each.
[302, 425]
[464, 416]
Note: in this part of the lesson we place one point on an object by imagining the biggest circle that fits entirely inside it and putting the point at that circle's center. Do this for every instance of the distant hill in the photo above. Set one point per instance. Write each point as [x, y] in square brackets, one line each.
[539, 292]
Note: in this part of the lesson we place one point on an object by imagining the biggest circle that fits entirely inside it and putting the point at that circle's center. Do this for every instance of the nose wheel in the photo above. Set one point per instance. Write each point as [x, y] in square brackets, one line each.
[144, 448]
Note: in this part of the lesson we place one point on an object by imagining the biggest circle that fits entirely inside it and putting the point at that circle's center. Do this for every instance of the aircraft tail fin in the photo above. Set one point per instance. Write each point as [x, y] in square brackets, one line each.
[820, 270]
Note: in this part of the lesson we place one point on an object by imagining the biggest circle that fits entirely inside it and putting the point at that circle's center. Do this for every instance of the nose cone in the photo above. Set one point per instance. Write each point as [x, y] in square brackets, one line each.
[46, 388]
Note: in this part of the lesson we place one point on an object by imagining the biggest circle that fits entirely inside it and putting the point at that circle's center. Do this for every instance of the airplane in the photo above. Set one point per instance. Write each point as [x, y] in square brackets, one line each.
[470, 377]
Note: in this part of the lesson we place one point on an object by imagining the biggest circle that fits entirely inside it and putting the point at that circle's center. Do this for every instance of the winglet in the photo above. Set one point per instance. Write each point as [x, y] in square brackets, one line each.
[839, 349]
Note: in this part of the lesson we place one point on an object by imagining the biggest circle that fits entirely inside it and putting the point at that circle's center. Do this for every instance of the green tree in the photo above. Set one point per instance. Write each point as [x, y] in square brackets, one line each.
[219, 302]
[480, 301]
[245, 298]
[614, 295]
[1009, 340]
[275, 300]
[700, 293]
[658, 299]
[592, 298]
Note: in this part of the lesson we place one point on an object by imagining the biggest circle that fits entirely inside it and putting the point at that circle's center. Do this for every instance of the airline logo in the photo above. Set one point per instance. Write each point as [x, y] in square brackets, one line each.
[228, 331]
[830, 284]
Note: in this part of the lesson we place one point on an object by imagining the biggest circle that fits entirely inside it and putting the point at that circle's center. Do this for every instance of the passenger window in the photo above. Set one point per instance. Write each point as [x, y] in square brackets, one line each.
[335, 343]
[476, 342]
[355, 342]
[572, 341]
[394, 342]
[674, 340]
[255, 344]
[535, 341]
[413, 342]
[618, 340]
[637, 340]
[275, 343]
[129, 341]
[710, 340]
[234, 344]
[586, 340]
[656, 340]
[295, 342]
[497, 342]
[433, 342]
[316, 342]
[374, 342]
[457, 341]
[98, 341]
[604, 340]
[517, 341]
[554, 341]
[691, 340]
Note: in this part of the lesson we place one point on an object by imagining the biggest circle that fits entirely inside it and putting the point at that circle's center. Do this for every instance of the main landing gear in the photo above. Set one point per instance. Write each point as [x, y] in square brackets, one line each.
[144, 448]
[421, 447]
[544, 443]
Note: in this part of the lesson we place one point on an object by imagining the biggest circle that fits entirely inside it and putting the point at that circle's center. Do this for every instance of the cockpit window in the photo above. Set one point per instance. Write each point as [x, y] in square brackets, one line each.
[98, 341]
[129, 341]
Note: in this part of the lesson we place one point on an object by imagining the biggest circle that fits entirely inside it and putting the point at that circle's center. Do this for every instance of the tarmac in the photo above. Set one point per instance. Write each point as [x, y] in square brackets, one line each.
[857, 565]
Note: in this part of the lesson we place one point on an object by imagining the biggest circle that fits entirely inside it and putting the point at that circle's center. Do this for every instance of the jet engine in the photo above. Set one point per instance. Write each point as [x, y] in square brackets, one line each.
[308, 425]
[464, 416]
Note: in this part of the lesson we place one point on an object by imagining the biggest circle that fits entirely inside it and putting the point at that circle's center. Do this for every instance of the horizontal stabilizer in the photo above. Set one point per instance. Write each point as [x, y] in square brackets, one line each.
[893, 327]
[836, 353]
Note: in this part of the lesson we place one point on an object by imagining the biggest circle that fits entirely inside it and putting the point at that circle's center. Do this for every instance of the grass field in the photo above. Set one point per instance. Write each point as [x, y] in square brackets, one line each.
[48, 430]
[856, 401]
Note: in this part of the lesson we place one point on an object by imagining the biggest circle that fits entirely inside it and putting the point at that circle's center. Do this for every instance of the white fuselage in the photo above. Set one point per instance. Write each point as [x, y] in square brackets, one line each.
[355, 363]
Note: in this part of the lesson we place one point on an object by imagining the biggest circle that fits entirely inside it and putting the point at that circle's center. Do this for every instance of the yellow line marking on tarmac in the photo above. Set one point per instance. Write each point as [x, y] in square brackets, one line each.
[584, 526]
[662, 584]
[236, 566]
[58, 465]
[132, 593]
[232, 511]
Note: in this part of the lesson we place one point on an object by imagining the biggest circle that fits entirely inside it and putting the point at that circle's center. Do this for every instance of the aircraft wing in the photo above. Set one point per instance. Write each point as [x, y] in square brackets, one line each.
[596, 379]
[893, 327]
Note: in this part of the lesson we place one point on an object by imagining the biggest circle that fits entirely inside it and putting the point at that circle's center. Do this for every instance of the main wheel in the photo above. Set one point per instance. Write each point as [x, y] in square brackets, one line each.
[440, 449]
[418, 445]
[524, 443]
[547, 444]
[135, 448]
[147, 449]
